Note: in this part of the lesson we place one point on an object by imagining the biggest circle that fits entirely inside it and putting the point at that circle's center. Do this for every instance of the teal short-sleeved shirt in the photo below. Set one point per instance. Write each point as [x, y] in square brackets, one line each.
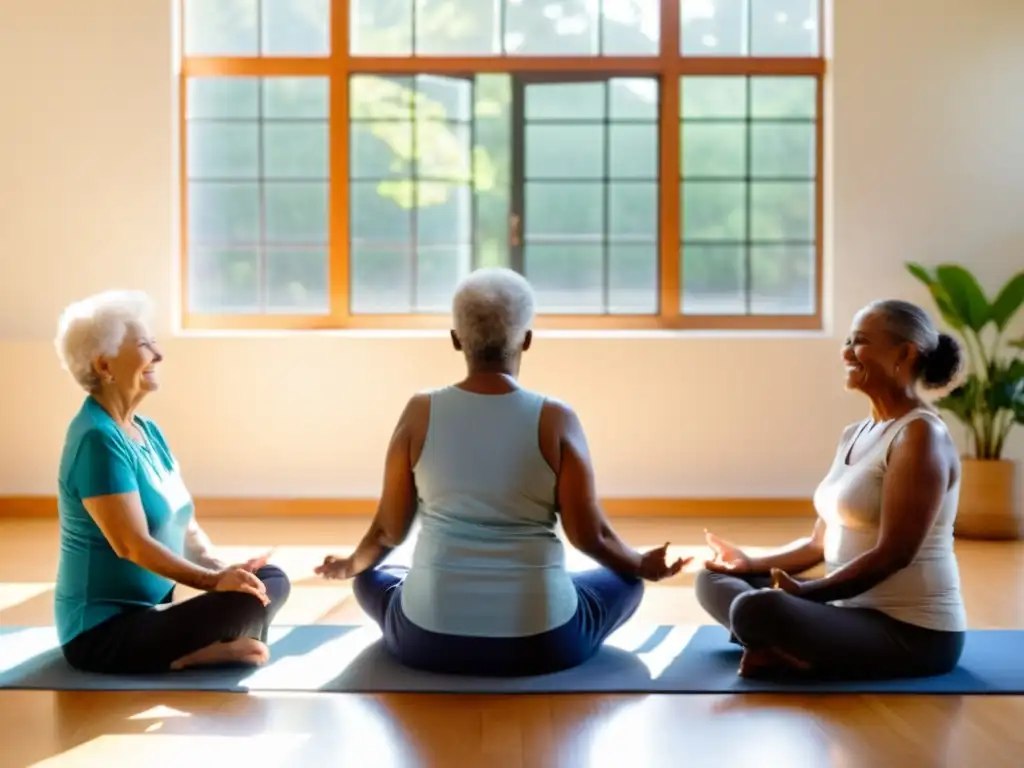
[100, 459]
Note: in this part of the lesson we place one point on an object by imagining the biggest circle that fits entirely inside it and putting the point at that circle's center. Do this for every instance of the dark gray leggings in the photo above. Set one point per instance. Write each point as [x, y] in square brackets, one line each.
[148, 640]
[836, 642]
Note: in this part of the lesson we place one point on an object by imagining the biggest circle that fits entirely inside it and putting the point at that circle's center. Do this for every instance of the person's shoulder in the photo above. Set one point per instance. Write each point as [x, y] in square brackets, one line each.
[90, 441]
[417, 408]
[559, 410]
[91, 426]
[924, 433]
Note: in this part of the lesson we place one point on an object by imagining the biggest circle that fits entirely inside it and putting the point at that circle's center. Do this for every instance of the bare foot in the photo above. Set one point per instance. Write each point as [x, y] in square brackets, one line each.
[758, 660]
[755, 661]
[244, 650]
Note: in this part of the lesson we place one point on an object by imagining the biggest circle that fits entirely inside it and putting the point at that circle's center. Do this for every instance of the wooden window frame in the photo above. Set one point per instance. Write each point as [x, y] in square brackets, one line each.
[668, 66]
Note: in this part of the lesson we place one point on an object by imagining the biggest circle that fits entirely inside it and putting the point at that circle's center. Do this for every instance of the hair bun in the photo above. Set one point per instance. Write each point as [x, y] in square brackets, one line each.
[942, 364]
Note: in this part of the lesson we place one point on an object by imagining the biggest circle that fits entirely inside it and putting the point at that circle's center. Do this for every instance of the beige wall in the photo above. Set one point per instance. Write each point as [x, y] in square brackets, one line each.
[928, 164]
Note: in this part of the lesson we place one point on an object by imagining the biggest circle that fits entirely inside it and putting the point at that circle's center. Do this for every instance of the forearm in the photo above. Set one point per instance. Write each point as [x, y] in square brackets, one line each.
[856, 577]
[200, 551]
[796, 557]
[374, 547]
[155, 557]
[613, 553]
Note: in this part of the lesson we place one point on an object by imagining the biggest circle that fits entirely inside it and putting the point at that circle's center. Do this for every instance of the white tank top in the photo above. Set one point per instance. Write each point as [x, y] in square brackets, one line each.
[927, 592]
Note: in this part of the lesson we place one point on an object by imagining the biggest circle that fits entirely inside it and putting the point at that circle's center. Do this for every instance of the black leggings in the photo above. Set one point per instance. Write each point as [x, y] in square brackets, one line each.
[149, 640]
[835, 642]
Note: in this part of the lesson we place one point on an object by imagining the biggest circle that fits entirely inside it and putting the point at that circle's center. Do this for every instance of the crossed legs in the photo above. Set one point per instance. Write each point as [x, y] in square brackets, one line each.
[781, 631]
[208, 629]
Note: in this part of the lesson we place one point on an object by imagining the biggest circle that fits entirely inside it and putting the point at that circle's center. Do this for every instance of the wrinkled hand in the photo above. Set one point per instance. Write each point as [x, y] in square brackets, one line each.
[728, 558]
[654, 564]
[335, 567]
[234, 579]
[785, 582]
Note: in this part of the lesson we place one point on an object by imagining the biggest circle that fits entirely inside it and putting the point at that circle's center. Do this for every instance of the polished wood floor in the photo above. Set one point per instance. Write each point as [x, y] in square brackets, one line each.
[197, 729]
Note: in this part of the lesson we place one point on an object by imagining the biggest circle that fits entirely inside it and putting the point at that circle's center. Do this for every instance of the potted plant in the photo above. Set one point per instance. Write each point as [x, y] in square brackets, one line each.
[989, 401]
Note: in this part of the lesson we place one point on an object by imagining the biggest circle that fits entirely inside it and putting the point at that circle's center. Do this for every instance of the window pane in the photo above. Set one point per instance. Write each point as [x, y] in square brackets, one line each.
[381, 98]
[297, 280]
[712, 96]
[784, 27]
[552, 27]
[492, 135]
[223, 212]
[567, 278]
[444, 214]
[783, 97]
[564, 208]
[381, 278]
[633, 150]
[444, 98]
[713, 27]
[565, 101]
[376, 214]
[380, 150]
[782, 280]
[633, 278]
[219, 150]
[221, 27]
[714, 279]
[224, 280]
[296, 212]
[782, 211]
[632, 30]
[783, 150]
[296, 27]
[632, 99]
[438, 270]
[223, 97]
[443, 151]
[633, 210]
[458, 27]
[714, 211]
[564, 151]
[715, 150]
[380, 27]
[296, 97]
[295, 150]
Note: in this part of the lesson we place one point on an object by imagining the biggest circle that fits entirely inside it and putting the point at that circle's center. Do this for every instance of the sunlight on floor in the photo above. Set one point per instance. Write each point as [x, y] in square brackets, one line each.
[15, 593]
[628, 735]
[310, 671]
[20, 645]
[656, 647]
[155, 750]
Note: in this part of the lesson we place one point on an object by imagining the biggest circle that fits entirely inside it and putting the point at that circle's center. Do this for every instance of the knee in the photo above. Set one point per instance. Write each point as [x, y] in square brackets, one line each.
[705, 585]
[633, 595]
[279, 586]
[754, 613]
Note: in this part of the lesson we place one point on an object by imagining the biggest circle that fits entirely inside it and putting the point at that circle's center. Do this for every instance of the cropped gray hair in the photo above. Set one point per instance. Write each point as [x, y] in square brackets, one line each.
[97, 326]
[492, 310]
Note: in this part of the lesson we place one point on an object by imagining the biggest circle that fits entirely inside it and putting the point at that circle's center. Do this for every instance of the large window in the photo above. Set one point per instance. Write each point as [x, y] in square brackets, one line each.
[645, 163]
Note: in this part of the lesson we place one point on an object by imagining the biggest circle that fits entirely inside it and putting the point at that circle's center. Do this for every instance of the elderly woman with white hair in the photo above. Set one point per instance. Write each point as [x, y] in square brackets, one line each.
[128, 533]
[489, 467]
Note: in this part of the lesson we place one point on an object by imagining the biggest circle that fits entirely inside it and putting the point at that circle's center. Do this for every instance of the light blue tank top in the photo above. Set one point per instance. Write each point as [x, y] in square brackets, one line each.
[487, 561]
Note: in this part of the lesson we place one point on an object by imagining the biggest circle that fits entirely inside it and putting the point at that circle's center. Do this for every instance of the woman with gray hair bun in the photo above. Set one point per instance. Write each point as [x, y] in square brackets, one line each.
[489, 467]
[889, 604]
[128, 533]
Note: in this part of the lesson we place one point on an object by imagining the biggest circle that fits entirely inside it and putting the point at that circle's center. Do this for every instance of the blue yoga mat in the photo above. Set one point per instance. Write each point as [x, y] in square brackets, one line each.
[350, 659]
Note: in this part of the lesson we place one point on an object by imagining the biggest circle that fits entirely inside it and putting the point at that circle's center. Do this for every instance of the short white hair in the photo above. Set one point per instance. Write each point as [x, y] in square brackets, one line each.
[492, 310]
[97, 326]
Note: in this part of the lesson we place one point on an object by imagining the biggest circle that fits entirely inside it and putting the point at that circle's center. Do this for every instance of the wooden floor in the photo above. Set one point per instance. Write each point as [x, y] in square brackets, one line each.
[205, 729]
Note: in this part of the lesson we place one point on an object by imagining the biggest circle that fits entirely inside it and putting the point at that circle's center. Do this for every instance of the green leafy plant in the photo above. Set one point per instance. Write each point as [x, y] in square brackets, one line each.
[990, 400]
